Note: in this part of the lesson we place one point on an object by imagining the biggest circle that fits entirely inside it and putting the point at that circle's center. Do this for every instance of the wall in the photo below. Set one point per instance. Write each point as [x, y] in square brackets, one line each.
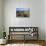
[36, 19]
[45, 19]
[39, 17]
[0, 18]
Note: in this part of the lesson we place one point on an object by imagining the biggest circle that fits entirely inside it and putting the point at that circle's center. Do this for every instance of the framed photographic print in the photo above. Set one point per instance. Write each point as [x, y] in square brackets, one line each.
[22, 12]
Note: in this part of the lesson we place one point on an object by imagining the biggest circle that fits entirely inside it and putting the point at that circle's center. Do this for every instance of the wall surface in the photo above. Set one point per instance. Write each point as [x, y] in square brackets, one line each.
[37, 18]
[0, 18]
[45, 19]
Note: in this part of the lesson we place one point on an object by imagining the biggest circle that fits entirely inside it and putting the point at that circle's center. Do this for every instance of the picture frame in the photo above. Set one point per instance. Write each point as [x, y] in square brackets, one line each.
[22, 12]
